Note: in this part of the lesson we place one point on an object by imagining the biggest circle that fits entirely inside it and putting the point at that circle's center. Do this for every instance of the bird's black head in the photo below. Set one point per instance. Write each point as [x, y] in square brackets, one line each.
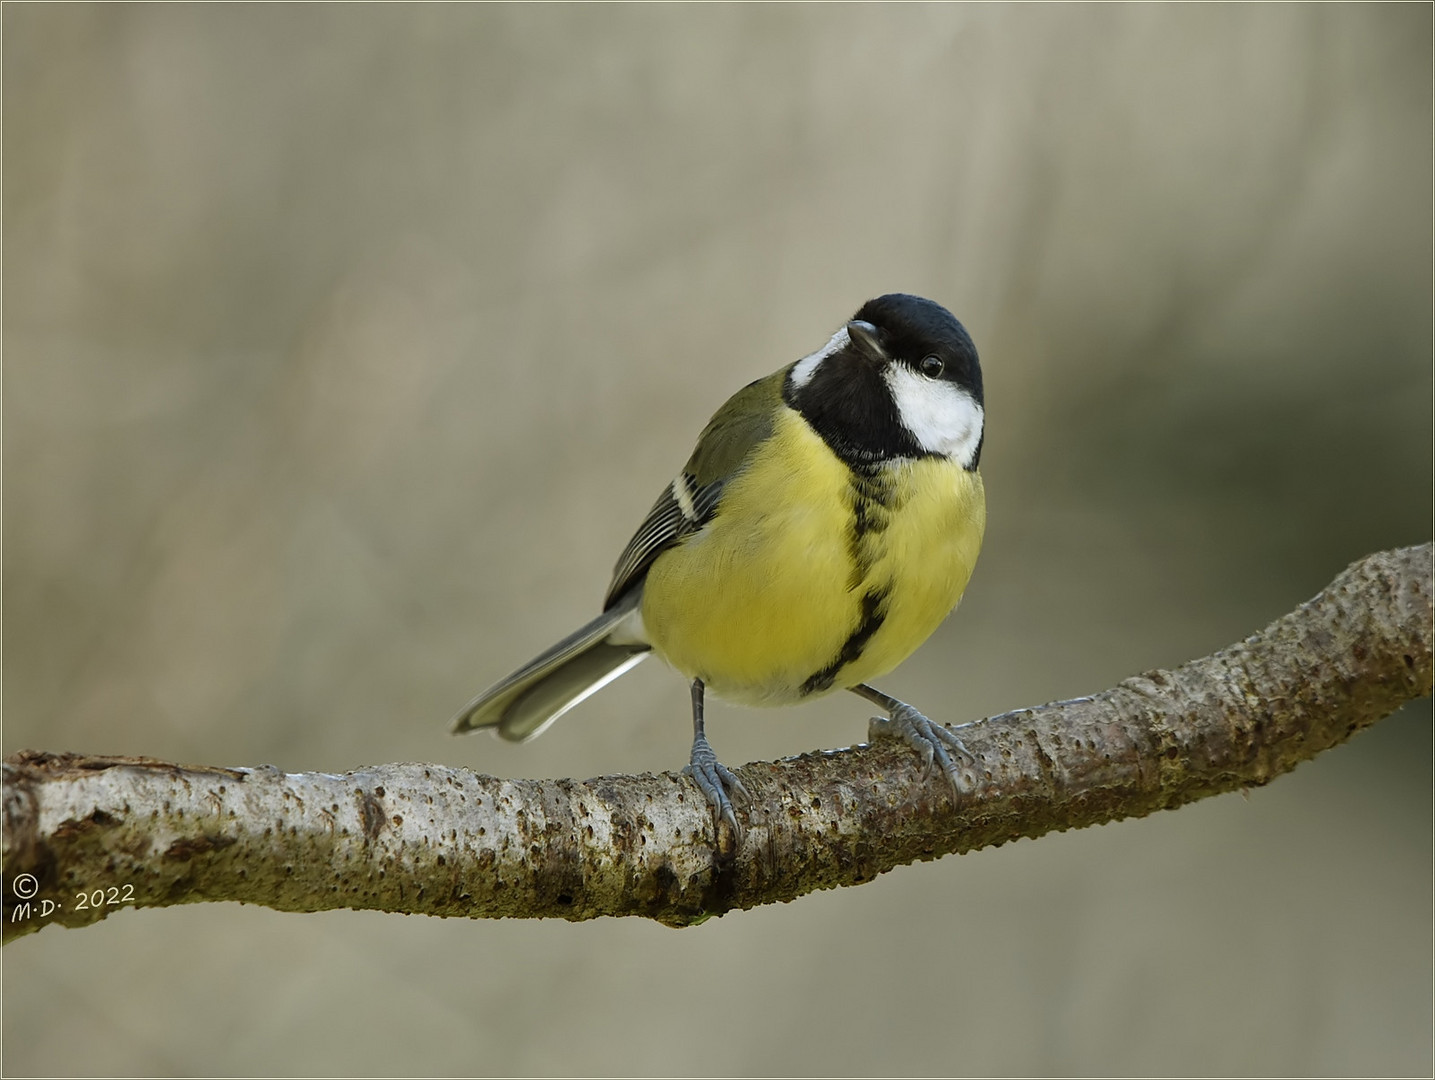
[900, 380]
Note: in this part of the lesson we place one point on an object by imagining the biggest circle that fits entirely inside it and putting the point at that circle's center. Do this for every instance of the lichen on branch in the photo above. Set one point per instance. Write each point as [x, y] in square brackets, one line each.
[85, 836]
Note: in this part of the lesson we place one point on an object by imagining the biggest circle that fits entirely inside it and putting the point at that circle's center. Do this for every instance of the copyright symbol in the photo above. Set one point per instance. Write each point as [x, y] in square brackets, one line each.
[25, 886]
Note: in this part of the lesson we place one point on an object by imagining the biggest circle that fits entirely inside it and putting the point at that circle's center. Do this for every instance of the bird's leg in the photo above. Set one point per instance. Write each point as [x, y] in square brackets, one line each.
[710, 774]
[930, 740]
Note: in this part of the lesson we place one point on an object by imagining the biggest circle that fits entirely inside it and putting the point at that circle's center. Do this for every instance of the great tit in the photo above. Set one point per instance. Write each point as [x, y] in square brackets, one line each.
[828, 520]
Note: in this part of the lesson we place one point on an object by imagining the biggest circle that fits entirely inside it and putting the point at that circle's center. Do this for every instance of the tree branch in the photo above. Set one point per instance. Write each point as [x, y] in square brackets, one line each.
[85, 835]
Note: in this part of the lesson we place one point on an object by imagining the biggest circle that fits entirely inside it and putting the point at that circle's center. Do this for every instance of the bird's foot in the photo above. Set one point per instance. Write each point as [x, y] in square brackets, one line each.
[716, 781]
[932, 741]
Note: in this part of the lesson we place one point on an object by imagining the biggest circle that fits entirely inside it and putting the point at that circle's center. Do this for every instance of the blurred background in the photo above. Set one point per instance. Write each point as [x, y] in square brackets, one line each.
[345, 346]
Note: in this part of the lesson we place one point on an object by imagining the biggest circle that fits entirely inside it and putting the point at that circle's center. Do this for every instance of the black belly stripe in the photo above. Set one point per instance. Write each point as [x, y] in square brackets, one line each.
[872, 493]
[874, 613]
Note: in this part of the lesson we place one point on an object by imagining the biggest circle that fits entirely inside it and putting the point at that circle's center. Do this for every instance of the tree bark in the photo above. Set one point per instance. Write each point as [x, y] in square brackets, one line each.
[84, 836]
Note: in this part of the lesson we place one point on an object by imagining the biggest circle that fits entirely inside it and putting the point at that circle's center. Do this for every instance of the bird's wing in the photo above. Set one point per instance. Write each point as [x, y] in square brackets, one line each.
[691, 500]
[682, 509]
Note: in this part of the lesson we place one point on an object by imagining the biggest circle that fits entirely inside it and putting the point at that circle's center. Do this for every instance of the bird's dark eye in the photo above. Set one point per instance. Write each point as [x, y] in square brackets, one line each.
[931, 366]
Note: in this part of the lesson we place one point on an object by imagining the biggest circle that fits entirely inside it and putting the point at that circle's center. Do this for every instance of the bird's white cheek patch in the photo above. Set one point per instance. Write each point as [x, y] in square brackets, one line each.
[808, 365]
[942, 417]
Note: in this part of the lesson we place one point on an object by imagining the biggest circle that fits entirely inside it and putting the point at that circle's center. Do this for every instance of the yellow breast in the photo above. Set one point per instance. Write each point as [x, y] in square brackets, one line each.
[811, 577]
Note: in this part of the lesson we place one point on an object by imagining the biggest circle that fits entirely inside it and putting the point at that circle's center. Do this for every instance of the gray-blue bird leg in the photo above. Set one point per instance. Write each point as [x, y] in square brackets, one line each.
[932, 741]
[714, 779]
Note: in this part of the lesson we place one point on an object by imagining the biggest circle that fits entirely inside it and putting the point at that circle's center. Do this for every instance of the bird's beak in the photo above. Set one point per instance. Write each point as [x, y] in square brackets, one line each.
[864, 335]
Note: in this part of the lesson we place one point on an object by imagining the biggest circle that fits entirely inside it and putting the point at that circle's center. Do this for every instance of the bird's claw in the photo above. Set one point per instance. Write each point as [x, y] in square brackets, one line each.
[715, 780]
[930, 740]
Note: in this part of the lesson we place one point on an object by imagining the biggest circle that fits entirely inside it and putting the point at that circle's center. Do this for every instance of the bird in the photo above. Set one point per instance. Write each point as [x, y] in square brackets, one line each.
[828, 520]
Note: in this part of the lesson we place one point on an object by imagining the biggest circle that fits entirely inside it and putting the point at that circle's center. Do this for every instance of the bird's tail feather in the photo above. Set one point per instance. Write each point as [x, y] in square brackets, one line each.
[535, 695]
